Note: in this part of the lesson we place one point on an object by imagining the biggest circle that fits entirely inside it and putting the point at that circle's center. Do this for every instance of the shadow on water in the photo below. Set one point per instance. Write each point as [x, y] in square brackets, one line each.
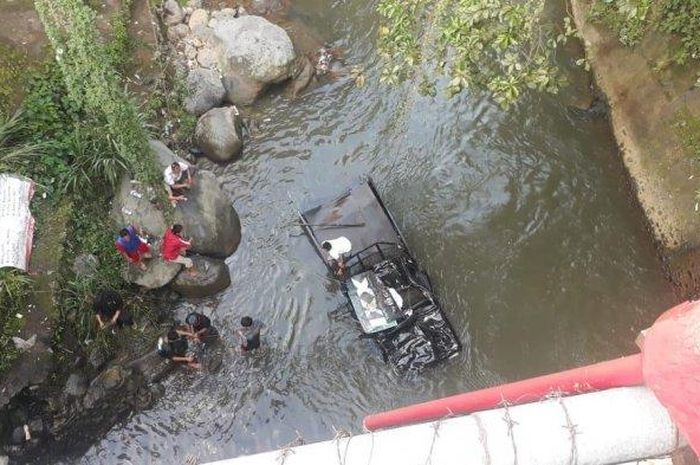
[521, 217]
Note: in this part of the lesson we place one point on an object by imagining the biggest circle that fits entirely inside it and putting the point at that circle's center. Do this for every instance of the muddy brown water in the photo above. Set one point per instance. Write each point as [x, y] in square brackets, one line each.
[522, 218]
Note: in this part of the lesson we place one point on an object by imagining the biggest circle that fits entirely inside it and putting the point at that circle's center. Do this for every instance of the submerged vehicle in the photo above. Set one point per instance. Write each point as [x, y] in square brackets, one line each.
[390, 295]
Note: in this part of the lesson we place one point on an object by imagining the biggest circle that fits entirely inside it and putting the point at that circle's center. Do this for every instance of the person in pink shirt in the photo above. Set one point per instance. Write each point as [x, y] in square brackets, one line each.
[174, 247]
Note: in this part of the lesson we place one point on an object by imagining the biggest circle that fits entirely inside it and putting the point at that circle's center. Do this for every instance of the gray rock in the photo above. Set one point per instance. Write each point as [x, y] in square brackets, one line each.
[212, 276]
[253, 53]
[207, 216]
[206, 58]
[199, 17]
[76, 385]
[218, 134]
[194, 3]
[153, 367]
[302, 78]
[132, 205]
[178, 32]
[173, 13]
[85, 264]
[158, 273]
[4, 460]
[205, 91]
[106, 385]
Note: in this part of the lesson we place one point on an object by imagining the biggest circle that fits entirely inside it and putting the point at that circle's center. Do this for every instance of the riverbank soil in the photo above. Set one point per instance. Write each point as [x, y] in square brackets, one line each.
[648, 101]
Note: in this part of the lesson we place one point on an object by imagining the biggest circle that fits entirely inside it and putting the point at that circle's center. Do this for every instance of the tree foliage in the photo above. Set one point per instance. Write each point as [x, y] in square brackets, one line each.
[501, 46]
[631, 19]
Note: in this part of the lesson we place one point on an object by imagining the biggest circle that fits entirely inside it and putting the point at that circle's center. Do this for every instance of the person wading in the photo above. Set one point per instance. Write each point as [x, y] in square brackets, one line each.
[174, 347]
[337, 249]
[249, 334]
[198, 328]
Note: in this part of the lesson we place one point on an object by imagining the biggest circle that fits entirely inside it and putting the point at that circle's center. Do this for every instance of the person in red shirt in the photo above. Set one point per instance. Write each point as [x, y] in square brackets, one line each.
[132, 246]
[174, 247]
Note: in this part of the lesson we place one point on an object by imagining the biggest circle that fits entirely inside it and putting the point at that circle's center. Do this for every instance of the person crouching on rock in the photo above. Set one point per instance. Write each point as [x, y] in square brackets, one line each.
[132, 246]
[174, 347]
[175, 247]
[178, 178]
[198, 328]
[249, 334]
[110, 311]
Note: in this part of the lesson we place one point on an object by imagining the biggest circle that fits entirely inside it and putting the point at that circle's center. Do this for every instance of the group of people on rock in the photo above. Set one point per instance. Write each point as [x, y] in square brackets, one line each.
[135, 248]
[198, 329]
[178, 178]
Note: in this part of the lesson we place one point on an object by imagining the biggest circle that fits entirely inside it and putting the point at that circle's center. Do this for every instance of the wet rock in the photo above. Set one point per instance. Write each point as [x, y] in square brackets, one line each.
[302, 78]
[212, 276]
[199, 17]
[105, 385]
[153, 367]
[205, 91]
[208, 216]
[85, 265]
[253, 53]
[76, 385]
[218, 134]
[173, 13]
[18, 436]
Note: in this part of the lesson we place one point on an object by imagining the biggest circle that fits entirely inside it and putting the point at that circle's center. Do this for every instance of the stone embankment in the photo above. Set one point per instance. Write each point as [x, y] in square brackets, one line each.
[647, 103]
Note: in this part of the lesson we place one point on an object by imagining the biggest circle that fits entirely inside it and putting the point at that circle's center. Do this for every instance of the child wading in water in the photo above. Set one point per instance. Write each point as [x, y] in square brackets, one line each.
[249, 334]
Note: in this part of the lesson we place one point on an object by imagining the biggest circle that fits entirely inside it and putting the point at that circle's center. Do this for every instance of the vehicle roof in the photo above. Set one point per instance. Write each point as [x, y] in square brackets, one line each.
[358, 205]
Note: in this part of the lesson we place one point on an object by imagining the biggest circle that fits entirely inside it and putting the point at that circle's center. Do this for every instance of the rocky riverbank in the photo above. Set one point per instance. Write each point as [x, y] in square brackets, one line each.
[649, 101]
[228, 58]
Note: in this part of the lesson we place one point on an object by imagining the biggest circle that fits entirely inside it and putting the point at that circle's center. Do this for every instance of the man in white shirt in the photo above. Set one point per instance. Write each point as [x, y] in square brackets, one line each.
[175, 181]
[337, 249]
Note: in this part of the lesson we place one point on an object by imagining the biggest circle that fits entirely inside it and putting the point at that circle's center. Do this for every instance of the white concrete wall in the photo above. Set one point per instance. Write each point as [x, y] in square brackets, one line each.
[608, 427]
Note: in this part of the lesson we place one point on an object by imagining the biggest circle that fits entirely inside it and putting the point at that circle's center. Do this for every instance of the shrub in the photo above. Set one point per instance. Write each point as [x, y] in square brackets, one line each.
[15, 287]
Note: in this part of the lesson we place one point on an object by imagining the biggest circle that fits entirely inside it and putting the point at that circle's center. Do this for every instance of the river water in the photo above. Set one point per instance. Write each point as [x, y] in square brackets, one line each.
[521, 217]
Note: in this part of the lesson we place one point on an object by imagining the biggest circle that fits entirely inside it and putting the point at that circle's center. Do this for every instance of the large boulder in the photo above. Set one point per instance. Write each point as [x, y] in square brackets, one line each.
[158, 272]
[252, 53]
[132, 205]
[205, 91]
[218, 134]
[207, 216]
[211, 276]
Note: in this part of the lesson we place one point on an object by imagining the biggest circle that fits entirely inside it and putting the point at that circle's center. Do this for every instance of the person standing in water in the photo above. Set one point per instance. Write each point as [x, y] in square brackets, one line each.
[198, 328]
[249, 334]
[337, 249]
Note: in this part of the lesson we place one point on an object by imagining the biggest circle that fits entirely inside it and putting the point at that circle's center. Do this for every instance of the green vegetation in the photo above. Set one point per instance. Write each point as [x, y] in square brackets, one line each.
[632, 19]
[78, 133]
[12, 64]
[14, 293]
[501, 46]
[93, 84]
